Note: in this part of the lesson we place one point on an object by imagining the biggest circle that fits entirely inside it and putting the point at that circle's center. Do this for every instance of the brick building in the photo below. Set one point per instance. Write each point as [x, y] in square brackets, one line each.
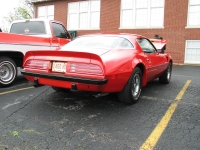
[175, 20]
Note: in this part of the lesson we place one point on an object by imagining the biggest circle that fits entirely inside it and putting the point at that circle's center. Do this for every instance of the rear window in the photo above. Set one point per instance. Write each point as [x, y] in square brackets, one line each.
[100, 42]
[29, 27]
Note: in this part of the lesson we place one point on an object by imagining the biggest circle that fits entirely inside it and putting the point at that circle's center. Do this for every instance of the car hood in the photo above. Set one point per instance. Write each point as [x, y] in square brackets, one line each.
[97, 51]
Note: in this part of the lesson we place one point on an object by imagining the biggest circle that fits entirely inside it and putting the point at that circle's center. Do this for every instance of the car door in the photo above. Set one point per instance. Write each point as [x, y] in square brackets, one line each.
[154, 60]
[61, 36]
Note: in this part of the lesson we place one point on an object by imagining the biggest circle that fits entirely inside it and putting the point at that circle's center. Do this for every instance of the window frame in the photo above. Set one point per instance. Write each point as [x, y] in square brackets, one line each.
[186, 48]
[133, 9]
[188, 14]
[63, 28]
[79, 12]
[46, 16]
[28, 25]
[150, 43]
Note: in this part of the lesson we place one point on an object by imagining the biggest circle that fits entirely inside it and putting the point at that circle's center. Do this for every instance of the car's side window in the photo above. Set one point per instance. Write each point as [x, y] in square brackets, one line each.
[146, 46]
[122, 43]
[59, 31]
[125, 44]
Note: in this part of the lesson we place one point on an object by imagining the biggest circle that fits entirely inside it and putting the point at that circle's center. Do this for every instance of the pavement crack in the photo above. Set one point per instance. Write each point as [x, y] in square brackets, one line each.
[24, 105]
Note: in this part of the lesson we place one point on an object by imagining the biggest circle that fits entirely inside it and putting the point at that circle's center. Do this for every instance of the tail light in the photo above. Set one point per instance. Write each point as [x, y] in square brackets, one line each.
[79, 68]
[38, 64]
[85, 69]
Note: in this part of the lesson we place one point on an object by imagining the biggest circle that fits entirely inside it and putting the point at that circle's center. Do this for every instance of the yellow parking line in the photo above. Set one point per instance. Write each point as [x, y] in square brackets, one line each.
[16, 90]
[151, 141]
[179, 96]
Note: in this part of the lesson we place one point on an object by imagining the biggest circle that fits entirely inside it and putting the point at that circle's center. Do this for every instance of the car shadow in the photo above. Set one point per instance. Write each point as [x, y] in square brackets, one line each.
[89, 99]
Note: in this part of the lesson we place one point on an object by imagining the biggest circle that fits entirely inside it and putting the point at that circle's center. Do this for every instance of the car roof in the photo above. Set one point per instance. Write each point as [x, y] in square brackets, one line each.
[125, 35]
[36, 19]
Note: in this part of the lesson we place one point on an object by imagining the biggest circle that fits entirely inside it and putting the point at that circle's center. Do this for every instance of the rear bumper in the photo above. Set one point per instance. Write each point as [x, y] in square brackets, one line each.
[65, 78]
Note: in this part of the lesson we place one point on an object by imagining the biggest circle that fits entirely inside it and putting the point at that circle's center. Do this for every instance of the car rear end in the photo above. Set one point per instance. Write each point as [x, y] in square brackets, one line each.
[88, 63]
[65, 69]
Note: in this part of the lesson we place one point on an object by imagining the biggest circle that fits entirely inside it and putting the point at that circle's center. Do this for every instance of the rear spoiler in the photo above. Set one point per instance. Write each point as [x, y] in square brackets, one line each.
[158, 43]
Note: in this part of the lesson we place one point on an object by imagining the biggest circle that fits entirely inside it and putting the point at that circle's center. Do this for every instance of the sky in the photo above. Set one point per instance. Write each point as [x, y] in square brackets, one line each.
[6, 6]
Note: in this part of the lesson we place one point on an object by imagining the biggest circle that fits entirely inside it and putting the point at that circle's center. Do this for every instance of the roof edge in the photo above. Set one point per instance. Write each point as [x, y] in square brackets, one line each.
[37, 1]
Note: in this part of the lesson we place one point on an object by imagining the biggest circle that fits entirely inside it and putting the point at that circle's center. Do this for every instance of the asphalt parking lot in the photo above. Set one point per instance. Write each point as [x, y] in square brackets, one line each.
[166, 117]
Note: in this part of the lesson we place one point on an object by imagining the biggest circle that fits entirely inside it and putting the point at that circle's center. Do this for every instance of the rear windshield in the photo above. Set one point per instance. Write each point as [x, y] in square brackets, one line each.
[29, 27]
[100, 42]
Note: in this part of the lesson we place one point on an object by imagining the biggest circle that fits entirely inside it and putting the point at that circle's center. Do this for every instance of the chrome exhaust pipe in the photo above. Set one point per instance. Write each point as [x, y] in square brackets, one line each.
[101, 95]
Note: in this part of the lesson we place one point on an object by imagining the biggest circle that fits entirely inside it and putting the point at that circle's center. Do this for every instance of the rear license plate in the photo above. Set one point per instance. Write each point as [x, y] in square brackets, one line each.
[59, 67]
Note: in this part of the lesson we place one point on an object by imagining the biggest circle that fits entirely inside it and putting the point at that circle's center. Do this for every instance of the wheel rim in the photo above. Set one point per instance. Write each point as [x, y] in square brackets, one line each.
[135, 85]
[7, 72]
[168, 73]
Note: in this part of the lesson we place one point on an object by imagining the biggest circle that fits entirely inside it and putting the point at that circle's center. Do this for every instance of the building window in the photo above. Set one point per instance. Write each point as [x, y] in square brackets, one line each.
[142, 13]
[46, 12]
[84, 15]
[192, 52]
[193, 13]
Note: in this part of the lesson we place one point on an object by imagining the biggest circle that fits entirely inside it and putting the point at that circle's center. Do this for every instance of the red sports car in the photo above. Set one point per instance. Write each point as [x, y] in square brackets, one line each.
[104, 63]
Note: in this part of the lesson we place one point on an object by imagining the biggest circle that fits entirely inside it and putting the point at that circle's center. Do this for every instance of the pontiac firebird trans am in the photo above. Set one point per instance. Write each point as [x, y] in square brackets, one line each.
[103, 63]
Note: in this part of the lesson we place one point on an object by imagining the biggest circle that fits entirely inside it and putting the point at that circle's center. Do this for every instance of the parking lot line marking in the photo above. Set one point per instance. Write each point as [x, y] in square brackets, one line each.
[180, 95]
[16, 90]
[151, 141]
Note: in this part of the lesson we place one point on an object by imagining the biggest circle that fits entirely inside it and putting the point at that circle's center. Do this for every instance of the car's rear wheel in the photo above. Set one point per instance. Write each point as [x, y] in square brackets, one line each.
[57, 89]
[131, 92]
[8, 71]
[165, 78]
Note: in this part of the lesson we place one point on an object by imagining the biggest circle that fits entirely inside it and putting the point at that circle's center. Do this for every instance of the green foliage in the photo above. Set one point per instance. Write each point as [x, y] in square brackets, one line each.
[23, 11]
[15, 133]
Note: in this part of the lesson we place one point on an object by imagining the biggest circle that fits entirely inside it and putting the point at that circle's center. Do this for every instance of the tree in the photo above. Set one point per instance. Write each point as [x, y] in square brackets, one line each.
[23, 11]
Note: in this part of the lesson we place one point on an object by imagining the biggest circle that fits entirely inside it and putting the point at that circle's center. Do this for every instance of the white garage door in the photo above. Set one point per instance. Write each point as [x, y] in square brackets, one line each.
[192, 52]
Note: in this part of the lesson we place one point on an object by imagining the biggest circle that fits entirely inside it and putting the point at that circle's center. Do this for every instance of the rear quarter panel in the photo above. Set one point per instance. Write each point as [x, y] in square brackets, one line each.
[119, 65]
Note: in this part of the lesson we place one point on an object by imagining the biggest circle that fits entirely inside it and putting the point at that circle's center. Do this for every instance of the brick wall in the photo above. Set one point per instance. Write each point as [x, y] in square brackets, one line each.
[175, 21]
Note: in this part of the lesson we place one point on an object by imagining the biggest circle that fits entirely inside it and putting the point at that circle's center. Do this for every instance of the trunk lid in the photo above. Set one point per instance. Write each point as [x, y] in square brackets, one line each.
[66, 56]
[96, 51]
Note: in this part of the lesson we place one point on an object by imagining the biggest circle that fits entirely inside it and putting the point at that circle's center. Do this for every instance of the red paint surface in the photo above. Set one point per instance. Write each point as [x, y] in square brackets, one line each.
[117, 66]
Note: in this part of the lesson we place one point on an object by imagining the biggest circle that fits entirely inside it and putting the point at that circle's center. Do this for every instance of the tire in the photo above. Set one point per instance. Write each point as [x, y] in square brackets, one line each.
[8, 71]
[165, 78]
[131, 92]
[57, 89]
